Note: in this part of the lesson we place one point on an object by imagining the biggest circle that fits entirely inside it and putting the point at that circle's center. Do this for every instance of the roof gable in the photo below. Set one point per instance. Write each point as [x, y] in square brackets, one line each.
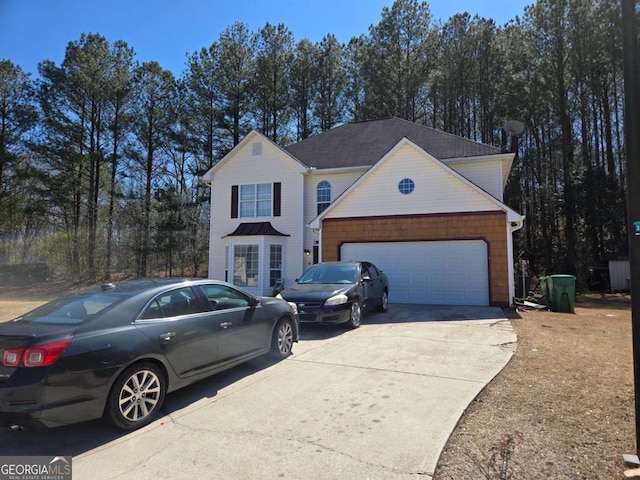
[364, 143]
[247, 143]
[438, 189]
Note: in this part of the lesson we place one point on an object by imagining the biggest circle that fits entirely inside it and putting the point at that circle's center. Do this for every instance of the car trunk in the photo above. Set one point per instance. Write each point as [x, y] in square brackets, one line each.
[23, 335]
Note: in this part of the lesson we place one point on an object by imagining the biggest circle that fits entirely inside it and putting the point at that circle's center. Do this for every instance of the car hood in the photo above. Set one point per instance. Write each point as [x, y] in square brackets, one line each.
[314, 292]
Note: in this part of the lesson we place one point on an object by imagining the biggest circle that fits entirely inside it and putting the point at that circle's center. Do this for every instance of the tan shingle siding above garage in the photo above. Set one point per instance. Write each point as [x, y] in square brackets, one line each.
[487, 226]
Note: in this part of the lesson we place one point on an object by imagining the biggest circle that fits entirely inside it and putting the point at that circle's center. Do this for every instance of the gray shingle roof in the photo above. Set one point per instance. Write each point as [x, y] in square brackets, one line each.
[364, 143]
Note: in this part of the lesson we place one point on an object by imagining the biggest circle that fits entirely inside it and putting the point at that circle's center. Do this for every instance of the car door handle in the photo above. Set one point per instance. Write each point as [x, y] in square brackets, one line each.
[167, 336]
[225, 324]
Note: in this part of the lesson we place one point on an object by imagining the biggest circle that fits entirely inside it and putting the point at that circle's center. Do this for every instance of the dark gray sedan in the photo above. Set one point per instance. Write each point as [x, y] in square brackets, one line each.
[339, 292]
[116, 350]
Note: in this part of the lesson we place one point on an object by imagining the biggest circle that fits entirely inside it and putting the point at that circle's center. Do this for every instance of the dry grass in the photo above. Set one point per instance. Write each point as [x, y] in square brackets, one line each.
[568, 391]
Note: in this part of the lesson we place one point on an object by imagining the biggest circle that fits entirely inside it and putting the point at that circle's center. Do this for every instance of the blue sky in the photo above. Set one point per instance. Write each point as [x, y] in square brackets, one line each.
[167, 30]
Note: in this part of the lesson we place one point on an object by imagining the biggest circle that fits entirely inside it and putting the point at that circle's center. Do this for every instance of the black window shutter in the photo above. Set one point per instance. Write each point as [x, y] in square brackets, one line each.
[277, 193]
[234, 201]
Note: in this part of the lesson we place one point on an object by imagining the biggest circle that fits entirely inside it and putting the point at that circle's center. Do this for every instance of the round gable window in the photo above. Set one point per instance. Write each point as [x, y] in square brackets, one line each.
[406, 186]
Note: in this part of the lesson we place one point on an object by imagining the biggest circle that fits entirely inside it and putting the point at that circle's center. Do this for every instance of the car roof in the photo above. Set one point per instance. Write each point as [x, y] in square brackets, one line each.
[133, 287]
[338, 262]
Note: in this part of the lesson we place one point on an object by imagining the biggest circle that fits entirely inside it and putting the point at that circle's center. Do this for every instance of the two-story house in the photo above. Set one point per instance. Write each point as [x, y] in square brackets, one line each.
[423, 205]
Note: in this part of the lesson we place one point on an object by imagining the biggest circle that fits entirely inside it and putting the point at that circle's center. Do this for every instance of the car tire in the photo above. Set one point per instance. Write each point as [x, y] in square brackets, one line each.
[282, 340]
[355, 315]
[384, 302]
[136, 397]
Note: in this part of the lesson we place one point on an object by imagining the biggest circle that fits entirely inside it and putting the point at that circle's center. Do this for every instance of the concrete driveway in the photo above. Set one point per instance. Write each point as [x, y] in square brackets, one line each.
[378, 402]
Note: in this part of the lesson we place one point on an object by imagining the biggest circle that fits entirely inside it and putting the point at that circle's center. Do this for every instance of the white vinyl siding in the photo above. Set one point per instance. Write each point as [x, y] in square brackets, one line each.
[241, 167]
[339, 180]
[487, 175]
[437, 190]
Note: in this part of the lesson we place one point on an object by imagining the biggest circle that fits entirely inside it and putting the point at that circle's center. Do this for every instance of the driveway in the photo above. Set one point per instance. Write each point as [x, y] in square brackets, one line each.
[378, 402]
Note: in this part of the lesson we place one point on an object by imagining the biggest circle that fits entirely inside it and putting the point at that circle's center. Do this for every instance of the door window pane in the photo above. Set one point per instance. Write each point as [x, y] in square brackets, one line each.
[172, 304]
[222, 297]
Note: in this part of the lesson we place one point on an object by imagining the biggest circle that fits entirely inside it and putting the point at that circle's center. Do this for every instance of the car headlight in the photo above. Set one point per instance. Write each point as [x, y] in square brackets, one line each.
[293, 306]
[336, 300]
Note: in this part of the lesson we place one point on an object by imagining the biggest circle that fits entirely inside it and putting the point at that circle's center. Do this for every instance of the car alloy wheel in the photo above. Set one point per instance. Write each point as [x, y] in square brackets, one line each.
[355, 316]
[384, 302]
[282, 342]
[137, 397]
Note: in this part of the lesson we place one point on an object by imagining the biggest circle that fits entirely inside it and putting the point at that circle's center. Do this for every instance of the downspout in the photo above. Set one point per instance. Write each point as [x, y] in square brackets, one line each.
[209, 183]
[514, 226]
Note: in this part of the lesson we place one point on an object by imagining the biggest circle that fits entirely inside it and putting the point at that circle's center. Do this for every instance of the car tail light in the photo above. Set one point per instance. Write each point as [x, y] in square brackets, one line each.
[13, 357]
[38, 356]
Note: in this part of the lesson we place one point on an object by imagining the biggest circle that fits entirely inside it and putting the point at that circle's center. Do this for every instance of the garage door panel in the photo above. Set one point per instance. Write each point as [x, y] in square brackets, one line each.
[438, 272]
[475, 278]
[420, 281]
[456, 279]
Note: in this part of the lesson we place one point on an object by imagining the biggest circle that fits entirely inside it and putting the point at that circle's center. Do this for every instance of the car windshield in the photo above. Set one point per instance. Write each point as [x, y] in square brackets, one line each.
[330, 274]
[72, 309]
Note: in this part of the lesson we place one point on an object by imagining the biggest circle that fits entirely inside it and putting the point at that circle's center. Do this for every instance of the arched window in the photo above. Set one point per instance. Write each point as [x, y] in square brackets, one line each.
[323, 195]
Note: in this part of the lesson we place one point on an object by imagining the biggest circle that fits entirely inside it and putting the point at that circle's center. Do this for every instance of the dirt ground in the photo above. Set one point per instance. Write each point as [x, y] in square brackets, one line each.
[563, 408]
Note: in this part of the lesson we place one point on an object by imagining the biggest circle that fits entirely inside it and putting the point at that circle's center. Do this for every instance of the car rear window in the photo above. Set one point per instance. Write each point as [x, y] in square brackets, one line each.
[72, 310]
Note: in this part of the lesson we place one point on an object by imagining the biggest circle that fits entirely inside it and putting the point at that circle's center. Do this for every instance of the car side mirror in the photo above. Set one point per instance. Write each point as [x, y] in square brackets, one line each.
[366, 278]
[254, 302]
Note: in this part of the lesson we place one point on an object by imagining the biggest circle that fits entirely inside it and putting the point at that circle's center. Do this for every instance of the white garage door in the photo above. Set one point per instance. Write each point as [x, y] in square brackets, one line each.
[434, 273]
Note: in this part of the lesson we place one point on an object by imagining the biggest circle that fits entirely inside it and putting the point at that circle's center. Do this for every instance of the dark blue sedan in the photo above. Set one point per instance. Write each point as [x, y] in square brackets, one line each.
[116, 350]
[339, 292]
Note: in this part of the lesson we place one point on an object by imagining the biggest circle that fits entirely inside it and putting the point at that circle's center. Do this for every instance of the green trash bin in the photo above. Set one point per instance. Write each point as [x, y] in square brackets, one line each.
[561, 292]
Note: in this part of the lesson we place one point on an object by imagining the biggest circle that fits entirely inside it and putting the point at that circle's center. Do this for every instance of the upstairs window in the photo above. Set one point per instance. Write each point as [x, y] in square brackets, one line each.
[406, 186]
[255, 200]
[323, 196]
